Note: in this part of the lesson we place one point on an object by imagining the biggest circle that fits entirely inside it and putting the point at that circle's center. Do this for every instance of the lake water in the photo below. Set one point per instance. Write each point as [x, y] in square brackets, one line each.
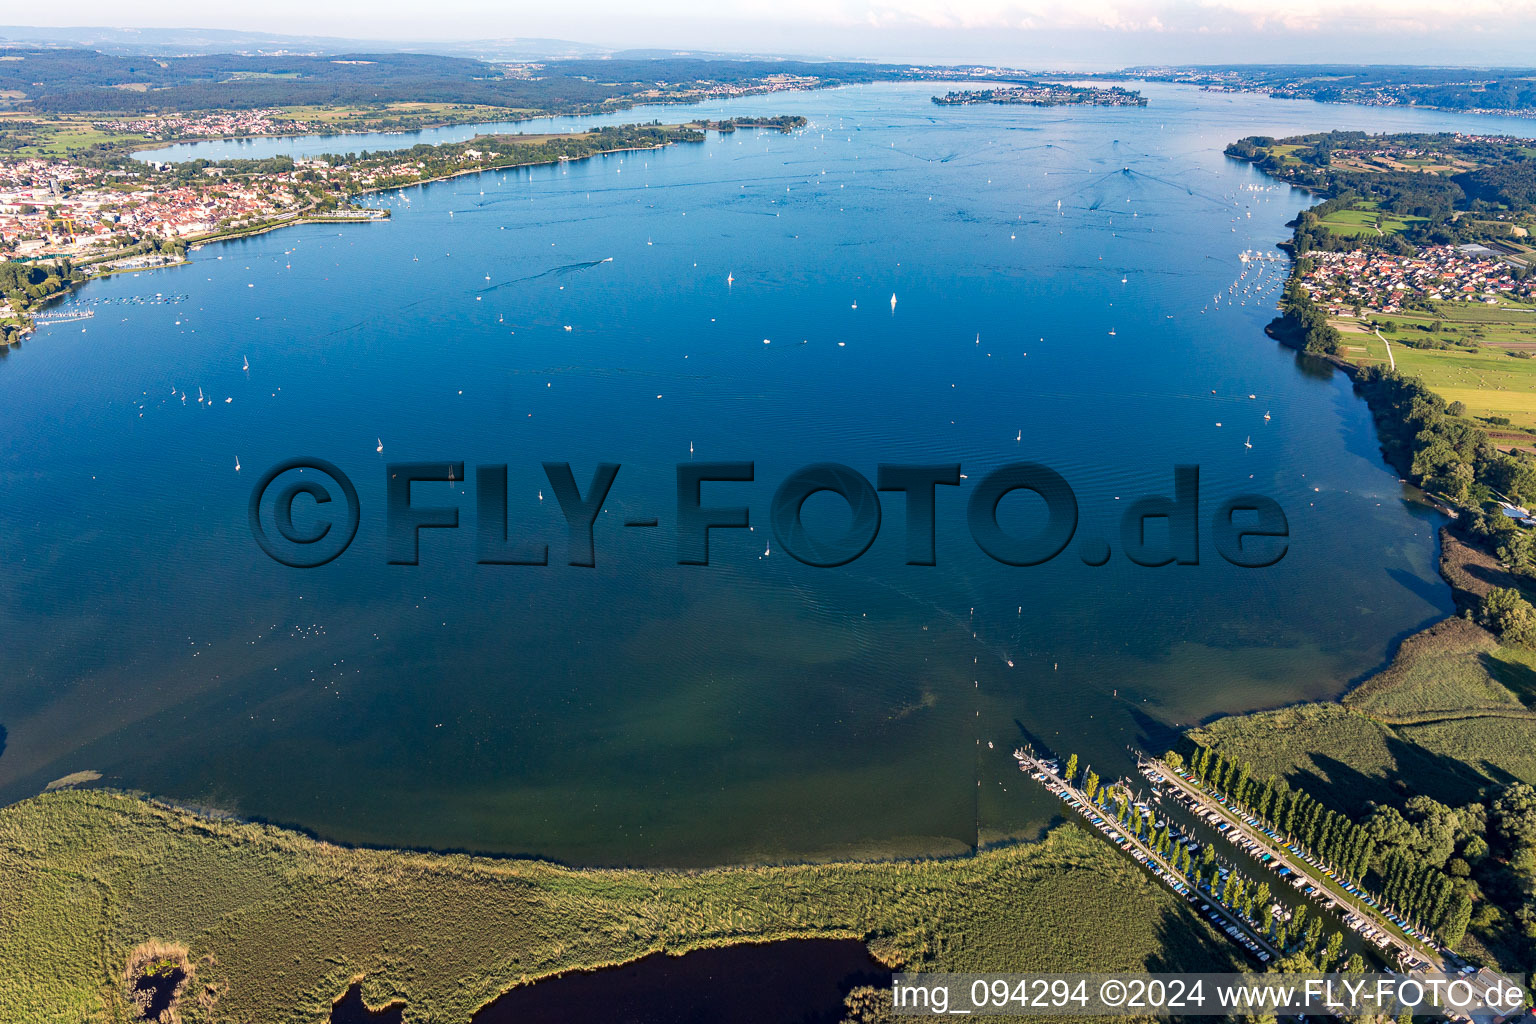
[802, 980]
[641, 711]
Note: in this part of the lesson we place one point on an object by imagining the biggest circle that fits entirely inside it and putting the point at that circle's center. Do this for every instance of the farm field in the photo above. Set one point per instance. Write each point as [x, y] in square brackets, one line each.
[400, 115]
[57, 137]
[1365, 218]
[1494, 379]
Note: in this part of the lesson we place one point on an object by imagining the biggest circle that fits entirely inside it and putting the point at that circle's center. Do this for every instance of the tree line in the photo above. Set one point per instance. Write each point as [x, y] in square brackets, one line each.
[79, 80]
[1243, 896]
[1442, 452]
[1433, 865]
[1418, 891]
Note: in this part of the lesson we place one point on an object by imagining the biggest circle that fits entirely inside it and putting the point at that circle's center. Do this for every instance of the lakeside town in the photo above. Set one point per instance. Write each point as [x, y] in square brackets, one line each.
[65, 220]
[59, 208]
[1038, 94]
[1505, 92]
[225, 124]
[1372, 279]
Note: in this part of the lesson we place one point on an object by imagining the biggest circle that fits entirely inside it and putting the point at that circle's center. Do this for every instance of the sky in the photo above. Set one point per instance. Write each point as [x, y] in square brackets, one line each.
[1086, 33]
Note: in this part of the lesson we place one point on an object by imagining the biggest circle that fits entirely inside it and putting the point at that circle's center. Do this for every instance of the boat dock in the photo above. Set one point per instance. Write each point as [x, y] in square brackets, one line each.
[1206, 903]
[1357, 909]
[62, 317]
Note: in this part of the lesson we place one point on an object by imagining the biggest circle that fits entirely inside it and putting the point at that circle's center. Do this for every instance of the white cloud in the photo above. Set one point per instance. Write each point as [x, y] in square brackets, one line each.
[1124, 15]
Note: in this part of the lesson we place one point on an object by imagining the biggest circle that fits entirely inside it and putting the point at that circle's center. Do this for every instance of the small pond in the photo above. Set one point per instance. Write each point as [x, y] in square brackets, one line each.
[793, 982]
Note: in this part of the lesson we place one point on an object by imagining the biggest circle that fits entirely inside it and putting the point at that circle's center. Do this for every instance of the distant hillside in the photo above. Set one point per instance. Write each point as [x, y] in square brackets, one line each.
[1501, 89]
[67, 81]
[180, 42]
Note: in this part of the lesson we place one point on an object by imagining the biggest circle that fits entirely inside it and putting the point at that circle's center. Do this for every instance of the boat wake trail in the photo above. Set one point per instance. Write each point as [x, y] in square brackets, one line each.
[565, 268]
[1178, 185]
[560, 271]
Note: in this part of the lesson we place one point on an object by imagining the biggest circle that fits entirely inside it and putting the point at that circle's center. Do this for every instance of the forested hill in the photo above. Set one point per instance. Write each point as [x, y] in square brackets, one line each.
[78, 80]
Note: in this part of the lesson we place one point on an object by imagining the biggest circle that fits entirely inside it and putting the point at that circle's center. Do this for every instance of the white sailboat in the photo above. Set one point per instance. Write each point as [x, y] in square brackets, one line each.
[1248, 441]
[380, 446]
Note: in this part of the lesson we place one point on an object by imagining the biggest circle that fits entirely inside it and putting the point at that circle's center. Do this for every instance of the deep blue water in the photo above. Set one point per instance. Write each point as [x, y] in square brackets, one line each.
[645, 712]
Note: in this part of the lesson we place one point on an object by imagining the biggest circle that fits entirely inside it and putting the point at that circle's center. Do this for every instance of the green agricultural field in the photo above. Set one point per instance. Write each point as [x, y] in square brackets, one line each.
[1516, 319]
[1447, 717]
[399, 116]
[1365, 218]
[1286, 152]
[277, 924]
[1490, 379]
[56, 138]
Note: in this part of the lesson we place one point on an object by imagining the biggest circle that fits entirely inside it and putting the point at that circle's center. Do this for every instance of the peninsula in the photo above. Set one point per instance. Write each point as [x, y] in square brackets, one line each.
[63, 220]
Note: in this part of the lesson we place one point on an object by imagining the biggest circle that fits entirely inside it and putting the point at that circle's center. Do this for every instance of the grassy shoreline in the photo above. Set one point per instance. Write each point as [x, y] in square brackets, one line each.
[1451, 720]
[278, 925]
[1453, 671]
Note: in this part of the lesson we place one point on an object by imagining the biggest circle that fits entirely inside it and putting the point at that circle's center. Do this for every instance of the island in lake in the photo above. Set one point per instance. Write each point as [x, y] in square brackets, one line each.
[1046, 94]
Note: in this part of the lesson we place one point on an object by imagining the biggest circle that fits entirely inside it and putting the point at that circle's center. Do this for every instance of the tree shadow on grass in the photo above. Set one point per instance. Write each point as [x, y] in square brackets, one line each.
[1417, 772]
[1493, 576]
[1185, 945]
[1518, 678]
